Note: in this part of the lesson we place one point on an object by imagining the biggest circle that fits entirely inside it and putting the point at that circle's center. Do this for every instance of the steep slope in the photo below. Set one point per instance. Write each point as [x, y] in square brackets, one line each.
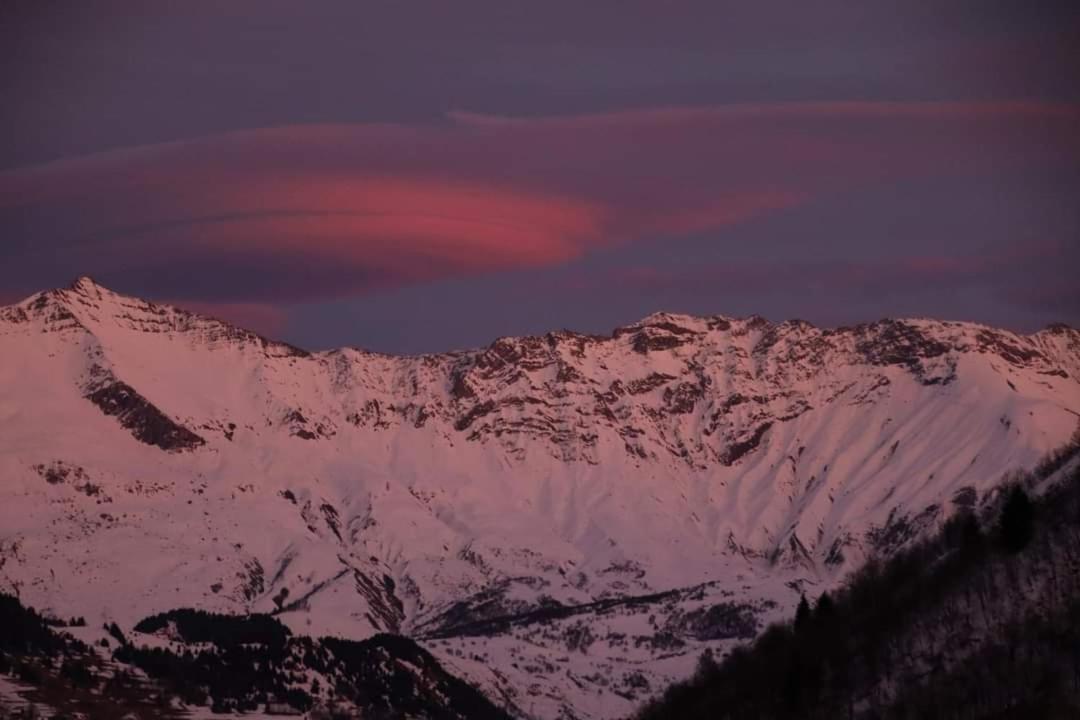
[977, 621]
[567, 520]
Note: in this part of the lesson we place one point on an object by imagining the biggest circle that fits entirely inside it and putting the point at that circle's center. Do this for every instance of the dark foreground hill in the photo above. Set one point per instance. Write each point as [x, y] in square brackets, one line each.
[188, 658]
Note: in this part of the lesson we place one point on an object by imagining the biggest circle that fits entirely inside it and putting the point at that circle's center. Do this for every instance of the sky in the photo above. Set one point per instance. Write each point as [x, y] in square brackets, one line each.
[422, 176]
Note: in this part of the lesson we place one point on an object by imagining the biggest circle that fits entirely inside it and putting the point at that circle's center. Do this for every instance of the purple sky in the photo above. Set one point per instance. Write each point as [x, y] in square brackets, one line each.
[422, 176]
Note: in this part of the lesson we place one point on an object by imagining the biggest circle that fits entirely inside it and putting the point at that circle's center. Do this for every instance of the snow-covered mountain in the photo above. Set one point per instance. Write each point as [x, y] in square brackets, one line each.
[566, 520]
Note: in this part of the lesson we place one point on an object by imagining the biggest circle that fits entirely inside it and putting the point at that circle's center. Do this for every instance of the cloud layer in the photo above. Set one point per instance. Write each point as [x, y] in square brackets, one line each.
[316, 212]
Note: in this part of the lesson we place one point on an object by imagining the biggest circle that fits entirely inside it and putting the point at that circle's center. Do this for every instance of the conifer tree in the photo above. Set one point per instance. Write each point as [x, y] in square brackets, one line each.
[1017, 522]
[802, 614]
[825, 608]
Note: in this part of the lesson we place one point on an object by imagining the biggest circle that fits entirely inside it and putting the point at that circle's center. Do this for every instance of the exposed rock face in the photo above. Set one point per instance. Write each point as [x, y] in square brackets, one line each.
[146, 423]
[775, 372]
[567, 519]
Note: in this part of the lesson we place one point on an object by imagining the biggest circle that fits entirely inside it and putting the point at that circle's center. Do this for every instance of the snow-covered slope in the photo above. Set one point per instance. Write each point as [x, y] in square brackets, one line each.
[566, 520]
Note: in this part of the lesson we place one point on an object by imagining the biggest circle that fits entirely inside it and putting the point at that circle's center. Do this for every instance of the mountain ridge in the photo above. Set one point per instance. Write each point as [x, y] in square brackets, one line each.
[87, 285]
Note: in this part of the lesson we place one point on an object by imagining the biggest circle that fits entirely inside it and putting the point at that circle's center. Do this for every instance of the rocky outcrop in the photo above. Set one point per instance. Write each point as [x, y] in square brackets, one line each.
[145, 422]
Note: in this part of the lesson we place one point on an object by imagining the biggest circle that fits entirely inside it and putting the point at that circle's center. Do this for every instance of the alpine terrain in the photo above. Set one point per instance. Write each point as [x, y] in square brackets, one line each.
[565, 522]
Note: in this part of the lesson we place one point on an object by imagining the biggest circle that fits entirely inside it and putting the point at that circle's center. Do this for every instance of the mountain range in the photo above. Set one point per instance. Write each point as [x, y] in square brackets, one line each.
[565, 521]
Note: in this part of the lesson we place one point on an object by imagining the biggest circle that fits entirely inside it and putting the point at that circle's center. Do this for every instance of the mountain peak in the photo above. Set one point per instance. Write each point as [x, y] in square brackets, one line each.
[662, 316]
[85, 283]
[85, 290]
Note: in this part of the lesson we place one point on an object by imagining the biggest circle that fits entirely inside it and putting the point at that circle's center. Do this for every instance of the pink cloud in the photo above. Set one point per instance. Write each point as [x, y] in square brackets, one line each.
[324, 211]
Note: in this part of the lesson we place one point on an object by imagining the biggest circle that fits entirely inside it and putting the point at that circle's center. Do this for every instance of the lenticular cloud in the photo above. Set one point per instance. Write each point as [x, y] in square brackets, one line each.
[319, 211]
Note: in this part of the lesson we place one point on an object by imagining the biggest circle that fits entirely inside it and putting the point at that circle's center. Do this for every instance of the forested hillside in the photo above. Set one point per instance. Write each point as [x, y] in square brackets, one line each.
[980, 621]
[185, 659]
